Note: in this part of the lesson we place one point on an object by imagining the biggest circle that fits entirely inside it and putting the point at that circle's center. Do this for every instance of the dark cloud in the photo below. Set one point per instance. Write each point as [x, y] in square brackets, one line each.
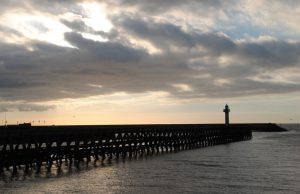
[34, 107]
[7, 30]
[77, 25]
[166, 36]
[80, 26]
[268, 54]
[3, 108]
[110, 51]
[52, 72]
[24, 107]
[9, 5]
[162, 35]
[156, 6]
[40, 71]
[271, 54]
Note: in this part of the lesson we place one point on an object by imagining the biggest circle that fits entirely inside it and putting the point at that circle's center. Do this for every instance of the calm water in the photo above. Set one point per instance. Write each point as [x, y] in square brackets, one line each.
[269, 163]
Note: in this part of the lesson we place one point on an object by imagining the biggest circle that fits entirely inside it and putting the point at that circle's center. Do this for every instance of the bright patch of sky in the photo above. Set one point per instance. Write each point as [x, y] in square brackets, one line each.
[37, 27]
[96, 17]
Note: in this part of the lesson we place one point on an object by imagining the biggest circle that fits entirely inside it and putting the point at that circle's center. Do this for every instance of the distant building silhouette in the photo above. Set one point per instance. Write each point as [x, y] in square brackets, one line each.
[226, 110]
[25, 124]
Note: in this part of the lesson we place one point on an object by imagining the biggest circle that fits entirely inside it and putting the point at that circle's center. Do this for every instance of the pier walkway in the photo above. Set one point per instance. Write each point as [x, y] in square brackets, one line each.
[31, 147]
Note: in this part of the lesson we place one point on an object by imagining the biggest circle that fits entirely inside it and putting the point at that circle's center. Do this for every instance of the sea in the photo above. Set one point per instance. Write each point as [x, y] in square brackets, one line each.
[269, 163]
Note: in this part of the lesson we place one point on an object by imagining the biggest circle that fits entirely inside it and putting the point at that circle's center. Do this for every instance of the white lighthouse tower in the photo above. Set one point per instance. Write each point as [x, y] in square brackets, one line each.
[226, 110]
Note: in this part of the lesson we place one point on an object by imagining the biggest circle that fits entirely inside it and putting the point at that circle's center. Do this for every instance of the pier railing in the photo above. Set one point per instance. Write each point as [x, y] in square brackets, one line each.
[33, 146]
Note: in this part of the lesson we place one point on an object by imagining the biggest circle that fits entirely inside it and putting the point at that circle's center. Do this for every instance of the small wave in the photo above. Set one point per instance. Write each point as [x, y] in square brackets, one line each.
[206, 165]
[291, 127]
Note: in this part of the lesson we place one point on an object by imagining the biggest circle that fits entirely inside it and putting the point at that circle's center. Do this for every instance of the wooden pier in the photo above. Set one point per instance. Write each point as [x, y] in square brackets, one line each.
[32, 147]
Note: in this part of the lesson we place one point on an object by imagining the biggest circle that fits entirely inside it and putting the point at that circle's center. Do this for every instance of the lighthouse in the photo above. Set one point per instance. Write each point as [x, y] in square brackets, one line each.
[226, 110]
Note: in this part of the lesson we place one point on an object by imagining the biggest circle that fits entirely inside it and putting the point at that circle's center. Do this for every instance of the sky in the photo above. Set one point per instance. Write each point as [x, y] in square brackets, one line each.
[161, 61]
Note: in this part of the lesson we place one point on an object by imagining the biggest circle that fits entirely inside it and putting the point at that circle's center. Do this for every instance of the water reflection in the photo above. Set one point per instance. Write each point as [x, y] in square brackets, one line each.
[65, 170]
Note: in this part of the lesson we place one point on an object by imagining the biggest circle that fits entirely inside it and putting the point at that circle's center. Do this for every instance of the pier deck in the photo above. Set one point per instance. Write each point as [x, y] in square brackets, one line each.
[34, 146]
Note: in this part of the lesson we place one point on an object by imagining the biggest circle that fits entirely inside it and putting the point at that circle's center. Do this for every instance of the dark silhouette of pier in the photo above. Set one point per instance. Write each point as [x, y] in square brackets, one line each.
[32, 147]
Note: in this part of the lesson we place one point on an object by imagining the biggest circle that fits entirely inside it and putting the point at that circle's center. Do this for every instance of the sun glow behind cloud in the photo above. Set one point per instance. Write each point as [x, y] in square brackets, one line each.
[37, 27]
[47, 28]
[96, 16]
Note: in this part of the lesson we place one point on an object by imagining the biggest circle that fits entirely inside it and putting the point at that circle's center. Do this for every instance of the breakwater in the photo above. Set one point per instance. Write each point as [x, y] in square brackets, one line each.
[263, 127]
[31, 147]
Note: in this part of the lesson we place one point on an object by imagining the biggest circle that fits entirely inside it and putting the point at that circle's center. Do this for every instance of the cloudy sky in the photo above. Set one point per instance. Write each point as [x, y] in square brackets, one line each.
[158, 61]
